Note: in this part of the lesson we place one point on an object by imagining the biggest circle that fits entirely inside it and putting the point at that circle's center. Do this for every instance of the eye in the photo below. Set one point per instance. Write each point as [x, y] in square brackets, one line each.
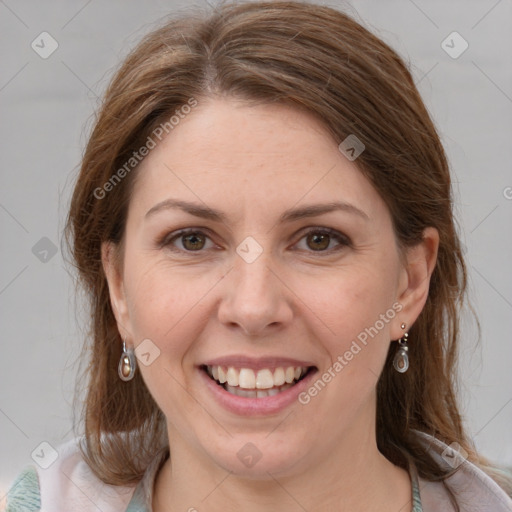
[195, 240]
[319, 239]
[192, 240]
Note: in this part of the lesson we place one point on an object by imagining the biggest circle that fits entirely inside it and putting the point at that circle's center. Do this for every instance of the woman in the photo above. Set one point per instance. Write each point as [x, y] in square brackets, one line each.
[263, 223]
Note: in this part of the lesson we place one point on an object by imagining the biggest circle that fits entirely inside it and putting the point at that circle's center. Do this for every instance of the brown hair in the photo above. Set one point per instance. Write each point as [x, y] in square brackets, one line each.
[313, 58]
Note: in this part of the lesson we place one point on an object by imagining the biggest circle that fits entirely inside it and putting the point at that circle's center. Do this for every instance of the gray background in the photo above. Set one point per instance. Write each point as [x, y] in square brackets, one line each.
[46, 113]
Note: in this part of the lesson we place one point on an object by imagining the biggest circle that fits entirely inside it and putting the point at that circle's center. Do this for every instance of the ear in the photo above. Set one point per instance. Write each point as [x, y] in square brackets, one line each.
[414, 281]
[114, 275]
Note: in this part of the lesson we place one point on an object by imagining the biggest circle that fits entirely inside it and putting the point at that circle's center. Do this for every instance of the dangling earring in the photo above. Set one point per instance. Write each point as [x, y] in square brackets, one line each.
[127, 364]
[401, 360]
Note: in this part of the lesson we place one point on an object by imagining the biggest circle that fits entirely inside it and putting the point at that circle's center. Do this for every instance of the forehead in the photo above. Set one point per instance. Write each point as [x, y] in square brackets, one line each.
[230, 155]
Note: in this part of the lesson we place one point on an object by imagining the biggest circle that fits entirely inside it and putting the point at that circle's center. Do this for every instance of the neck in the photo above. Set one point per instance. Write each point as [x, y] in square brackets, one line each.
[354, 477]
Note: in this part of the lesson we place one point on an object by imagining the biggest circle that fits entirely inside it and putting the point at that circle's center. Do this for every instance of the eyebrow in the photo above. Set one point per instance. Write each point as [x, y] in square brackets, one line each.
[290, 215]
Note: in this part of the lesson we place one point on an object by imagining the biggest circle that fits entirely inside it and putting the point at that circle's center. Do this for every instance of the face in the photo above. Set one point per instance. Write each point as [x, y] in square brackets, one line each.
[256, 252]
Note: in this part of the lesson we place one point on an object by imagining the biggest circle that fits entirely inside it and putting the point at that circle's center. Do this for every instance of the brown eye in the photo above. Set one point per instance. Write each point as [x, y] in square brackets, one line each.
[193, 241]
[324, 241]
[318, 241]
[187, 241]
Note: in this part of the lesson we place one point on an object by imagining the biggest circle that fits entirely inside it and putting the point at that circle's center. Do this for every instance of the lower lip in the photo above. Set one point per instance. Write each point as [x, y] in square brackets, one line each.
[256, 406]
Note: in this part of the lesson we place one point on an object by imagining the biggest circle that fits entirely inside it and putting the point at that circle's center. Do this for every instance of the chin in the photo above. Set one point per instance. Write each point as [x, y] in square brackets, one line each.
[258, 456]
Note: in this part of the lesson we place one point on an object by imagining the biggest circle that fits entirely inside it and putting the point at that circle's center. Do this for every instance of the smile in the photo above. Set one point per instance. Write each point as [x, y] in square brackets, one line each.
[248, 383]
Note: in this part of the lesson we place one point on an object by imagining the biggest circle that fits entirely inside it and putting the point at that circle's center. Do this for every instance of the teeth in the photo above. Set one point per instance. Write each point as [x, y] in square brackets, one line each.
[255, 393]
[289, 374]
[246, 393]
[279, 377]
[232, 376]
[265, 380]
[222, 375]
[247, 380]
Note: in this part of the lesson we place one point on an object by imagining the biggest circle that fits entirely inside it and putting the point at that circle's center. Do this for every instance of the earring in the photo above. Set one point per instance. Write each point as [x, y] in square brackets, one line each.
[127, 364]
[401, 360]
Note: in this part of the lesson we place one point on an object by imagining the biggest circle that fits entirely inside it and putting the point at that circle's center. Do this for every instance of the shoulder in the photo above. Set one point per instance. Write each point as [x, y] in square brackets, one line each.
[66, 484]
[474, 490]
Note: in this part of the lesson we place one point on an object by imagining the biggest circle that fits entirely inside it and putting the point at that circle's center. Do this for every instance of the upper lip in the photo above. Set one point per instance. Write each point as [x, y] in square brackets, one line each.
[256, 363]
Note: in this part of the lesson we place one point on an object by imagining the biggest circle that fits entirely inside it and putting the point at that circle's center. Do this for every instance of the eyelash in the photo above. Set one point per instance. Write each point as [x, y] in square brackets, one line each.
[343, 240]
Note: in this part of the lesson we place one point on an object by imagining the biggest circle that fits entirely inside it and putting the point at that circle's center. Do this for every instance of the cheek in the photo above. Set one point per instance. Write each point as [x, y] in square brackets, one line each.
[166, 303]
[351, 300]
[166, 306]
[357, 305]
[359, 311]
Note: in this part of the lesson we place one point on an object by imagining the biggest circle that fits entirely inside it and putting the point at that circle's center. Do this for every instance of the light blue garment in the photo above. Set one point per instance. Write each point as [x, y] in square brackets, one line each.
[24, 494]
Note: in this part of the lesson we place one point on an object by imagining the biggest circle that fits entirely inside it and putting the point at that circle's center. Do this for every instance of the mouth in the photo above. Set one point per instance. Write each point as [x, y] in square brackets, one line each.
[261, 383]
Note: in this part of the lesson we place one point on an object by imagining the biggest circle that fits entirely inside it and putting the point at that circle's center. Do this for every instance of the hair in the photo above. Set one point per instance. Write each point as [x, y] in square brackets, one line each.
[313, 58]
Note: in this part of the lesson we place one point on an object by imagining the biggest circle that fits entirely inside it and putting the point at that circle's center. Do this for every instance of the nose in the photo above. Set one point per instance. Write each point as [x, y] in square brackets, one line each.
[255, 298]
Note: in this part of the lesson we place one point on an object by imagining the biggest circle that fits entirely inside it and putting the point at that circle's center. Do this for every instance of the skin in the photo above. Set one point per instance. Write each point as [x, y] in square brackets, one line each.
[253, 163]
